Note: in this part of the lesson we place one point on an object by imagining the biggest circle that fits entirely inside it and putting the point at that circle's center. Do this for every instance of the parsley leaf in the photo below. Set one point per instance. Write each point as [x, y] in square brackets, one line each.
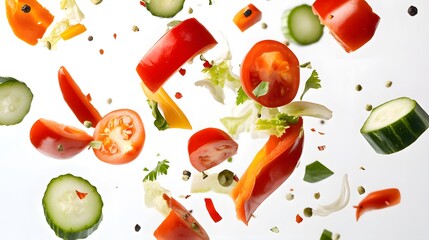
[261, 89]
[312, 82]
[316, 171]
[160, 169]
[160, 121]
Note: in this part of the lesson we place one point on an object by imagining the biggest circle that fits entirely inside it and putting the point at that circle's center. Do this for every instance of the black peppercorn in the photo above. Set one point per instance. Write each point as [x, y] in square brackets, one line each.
[26, 8]
[412, 11]
[247, 13]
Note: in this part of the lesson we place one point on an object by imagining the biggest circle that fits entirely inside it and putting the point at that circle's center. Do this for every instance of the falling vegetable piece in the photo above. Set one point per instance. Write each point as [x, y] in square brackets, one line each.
[214, 214]
[76, 100]
[271, 166]
[394, 125]
[15, 100]
[164, 8]
[172, 112]
[247, 17]
[180, 44]
[316, 171]
[28, 19]
[179, 224]
[351, 22]
[378, 200]
[73, 31]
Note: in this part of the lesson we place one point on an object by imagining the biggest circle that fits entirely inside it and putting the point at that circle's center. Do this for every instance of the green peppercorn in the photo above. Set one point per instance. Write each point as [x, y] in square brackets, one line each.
[388, 84]
[358, 87]
[317, 195]
[308, 212]
[225, 178]
[361, 190]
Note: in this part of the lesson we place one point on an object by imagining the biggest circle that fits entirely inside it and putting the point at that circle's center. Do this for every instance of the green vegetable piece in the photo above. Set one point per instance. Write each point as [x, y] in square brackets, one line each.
[316, 172]
[160, 169]
[160, 121]
[261, 89]
[312, 82]
[241, 96]
[326, 235]
[164, 8]
[15, 101]
[277, 125]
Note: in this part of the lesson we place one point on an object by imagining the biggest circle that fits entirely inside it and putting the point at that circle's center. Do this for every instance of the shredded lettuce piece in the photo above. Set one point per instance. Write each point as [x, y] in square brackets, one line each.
[51, 40]
[303, 108]
[219, 76]
[72, 11]
[153, 197]
[276, 125]
[241, 96]
[312, 82]
[242, 120]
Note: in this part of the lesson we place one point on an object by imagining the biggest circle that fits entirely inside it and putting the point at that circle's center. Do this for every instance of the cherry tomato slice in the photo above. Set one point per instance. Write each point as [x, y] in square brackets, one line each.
[76, 100]
[272, 62]
[209, 147]
[179, 224]
[57, 140]
[122, 135]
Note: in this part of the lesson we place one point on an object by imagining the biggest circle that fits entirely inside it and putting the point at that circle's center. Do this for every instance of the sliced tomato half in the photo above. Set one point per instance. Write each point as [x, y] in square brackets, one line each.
[58, 140]
[78, 102]
[122, 135]
[209, 147]
[270, 62]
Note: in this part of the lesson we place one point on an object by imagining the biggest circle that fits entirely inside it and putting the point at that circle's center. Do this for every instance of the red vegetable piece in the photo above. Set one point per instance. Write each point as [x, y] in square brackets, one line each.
[78, 102]
[179, 224]
[58, 140]
[214, 214]
[180, 44]
[81, 195]
[209, 147]
[378, 200]
[247, 17]
[298, 218]
[271, 167]
[351, 22]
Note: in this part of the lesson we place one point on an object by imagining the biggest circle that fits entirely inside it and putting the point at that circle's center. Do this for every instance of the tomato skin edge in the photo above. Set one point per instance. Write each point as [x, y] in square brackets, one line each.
[46, 136]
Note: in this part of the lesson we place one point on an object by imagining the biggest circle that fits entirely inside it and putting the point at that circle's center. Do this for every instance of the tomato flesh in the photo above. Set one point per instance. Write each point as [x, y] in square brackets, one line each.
[179, 224]
[351, 22]
[182, 43]
[58, 140]
[273, 62]
[122, 135]
[209, 147]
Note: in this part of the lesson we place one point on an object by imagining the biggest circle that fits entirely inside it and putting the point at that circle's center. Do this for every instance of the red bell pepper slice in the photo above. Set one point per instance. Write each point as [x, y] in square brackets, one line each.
[76, 100]
[28, 19]
[271, 166]
[351, 22]
[378, 200]
[179, 224]
[180, 44]
[214, 214]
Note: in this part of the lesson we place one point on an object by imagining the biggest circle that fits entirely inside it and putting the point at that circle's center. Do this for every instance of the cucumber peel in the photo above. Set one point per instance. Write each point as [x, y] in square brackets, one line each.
[15, 101]
[72, 207]
[394, 125]
[164, 8]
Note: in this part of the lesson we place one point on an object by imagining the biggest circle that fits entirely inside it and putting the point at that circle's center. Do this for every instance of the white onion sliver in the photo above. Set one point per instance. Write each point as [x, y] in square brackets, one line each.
[341, 202]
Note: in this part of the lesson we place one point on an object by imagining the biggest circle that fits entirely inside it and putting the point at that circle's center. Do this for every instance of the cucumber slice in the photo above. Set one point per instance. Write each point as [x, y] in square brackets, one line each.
[15, 100]
[300, 25]
[394, 125]
[72, 207]
[164, 8]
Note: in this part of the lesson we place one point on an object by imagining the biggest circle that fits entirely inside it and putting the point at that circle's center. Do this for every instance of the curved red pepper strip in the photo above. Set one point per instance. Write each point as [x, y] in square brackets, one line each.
[76, 100]
[378, 200]
[212, 210]
[272, 165]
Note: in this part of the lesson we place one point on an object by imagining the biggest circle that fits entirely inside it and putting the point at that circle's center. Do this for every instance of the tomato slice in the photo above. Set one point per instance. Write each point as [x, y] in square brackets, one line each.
[78, 102]
[209, 147]
[179, 224]
[58, 140]
[28, 19]
[351, 22]
[272, 62]
[122, 135]
[182, 43]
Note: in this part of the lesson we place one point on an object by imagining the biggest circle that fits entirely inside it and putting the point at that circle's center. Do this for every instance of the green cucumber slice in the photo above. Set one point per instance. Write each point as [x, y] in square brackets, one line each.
[164, 8]
[69, 213]
[300, 25]
[394, 125]
[15, 100]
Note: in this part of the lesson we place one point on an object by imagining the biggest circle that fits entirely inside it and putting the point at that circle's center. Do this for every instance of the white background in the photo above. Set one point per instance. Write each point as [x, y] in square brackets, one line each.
[397, 53]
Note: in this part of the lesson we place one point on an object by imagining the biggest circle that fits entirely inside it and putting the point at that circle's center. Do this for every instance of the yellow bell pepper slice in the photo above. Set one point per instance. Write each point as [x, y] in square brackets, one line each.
[172, 113]
[73, 31]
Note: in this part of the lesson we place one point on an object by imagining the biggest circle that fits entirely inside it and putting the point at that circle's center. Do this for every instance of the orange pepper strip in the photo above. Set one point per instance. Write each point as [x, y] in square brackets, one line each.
[247, 17]
[271, 166]
[73, 31]
[28, 19]
[172, 113]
